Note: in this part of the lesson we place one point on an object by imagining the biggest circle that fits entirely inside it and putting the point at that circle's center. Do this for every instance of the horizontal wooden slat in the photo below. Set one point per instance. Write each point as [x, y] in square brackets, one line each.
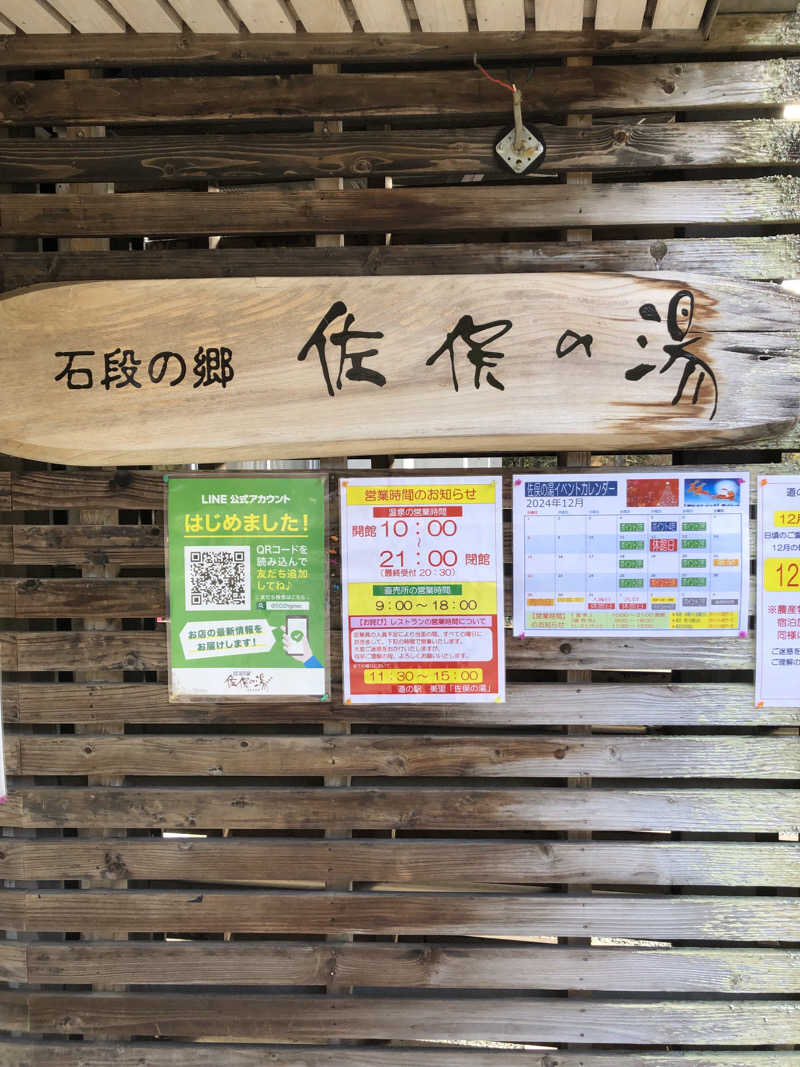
[401, 754]
[78, 488]
[132, 545]
[147, 650]
[243, 158]
[750, 32]
[175, 1054]
[739, 971]
[756, 201]
[304, 1019]
[744, 257]
[456, 914]
[598, 89]
[45, 598]
[677, 704]
[397, 807]
[436, 862]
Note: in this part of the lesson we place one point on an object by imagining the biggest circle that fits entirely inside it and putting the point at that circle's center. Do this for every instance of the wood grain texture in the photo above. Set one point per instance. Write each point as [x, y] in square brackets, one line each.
[739, 971]
[393, 755]
[718, 810]
[145, 650]
[410, 913]
[242, 158]
[309, 1019]
[723, 203]
[597, 89]
[677, 704]
[141, 546]
[270, 861]
[175, 1054]
[739, 257]
[748, 33]
[745, 385]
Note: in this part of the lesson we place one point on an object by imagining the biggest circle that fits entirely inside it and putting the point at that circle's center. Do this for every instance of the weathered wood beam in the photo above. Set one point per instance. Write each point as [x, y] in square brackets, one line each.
[526, 915]
[14, 1051]
[597, 89]
[258, 861]
[288, 963]
[712, 810]
[242, 158]
[740, 257]
[740, 33]
[301, 1019]
[393, 755]
[755, 201]
[678, 704]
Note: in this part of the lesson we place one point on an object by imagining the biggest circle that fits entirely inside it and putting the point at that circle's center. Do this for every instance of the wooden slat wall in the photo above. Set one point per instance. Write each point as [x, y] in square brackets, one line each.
[425, 876]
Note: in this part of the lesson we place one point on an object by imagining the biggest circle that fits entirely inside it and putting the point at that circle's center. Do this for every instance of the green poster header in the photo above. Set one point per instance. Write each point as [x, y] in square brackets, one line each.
[247, 587]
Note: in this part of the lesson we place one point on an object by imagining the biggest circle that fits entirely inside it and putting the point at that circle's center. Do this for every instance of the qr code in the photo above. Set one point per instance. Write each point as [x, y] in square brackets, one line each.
[217, 578]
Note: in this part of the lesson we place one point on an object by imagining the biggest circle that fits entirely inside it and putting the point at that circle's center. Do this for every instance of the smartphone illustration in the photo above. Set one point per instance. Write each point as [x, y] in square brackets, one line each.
[297, 632]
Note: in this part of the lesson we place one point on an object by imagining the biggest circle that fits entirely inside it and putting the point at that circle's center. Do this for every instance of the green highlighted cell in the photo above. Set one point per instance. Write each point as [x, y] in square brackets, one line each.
[631, 527]
[694, 526]
[631, 546]
[688, 563]
[631, 564]
[631, 583]
[693, 581]
[694, 542]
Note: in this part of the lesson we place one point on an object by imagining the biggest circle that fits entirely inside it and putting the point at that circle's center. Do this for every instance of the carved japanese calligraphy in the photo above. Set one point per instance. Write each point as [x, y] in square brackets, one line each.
[215, 369]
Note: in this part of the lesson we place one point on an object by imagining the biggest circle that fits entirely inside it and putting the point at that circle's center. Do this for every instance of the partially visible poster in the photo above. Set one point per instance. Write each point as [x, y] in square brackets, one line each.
[247, 587]
[634, 553]
[778, 608]
[422, 590]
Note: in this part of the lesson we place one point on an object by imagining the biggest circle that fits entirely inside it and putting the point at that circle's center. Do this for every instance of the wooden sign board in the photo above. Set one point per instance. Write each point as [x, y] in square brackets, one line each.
[207, 370]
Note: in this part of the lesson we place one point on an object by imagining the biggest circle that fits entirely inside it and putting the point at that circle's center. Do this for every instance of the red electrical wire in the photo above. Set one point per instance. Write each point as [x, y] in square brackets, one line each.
[486, 74]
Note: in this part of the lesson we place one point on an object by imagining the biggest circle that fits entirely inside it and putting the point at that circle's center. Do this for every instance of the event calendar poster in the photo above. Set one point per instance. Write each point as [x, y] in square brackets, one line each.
[422, 590]
[247, 587]
[647, 553]
[778, 609]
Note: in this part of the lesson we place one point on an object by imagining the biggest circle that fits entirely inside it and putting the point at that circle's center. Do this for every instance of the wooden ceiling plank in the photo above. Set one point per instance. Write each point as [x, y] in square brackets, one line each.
[382, 16]
[620, 15]
[323, 16]
[33, 17]
[148, 16]
[558, 15]
[90, 16]
[443, 16]
[6, 26]
[678, 14]
[206, 16]
[748, 34]
[500, 14]
[264, 16]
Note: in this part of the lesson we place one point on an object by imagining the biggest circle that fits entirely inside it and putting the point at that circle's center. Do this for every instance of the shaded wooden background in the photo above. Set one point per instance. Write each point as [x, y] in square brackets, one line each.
[601, 872]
